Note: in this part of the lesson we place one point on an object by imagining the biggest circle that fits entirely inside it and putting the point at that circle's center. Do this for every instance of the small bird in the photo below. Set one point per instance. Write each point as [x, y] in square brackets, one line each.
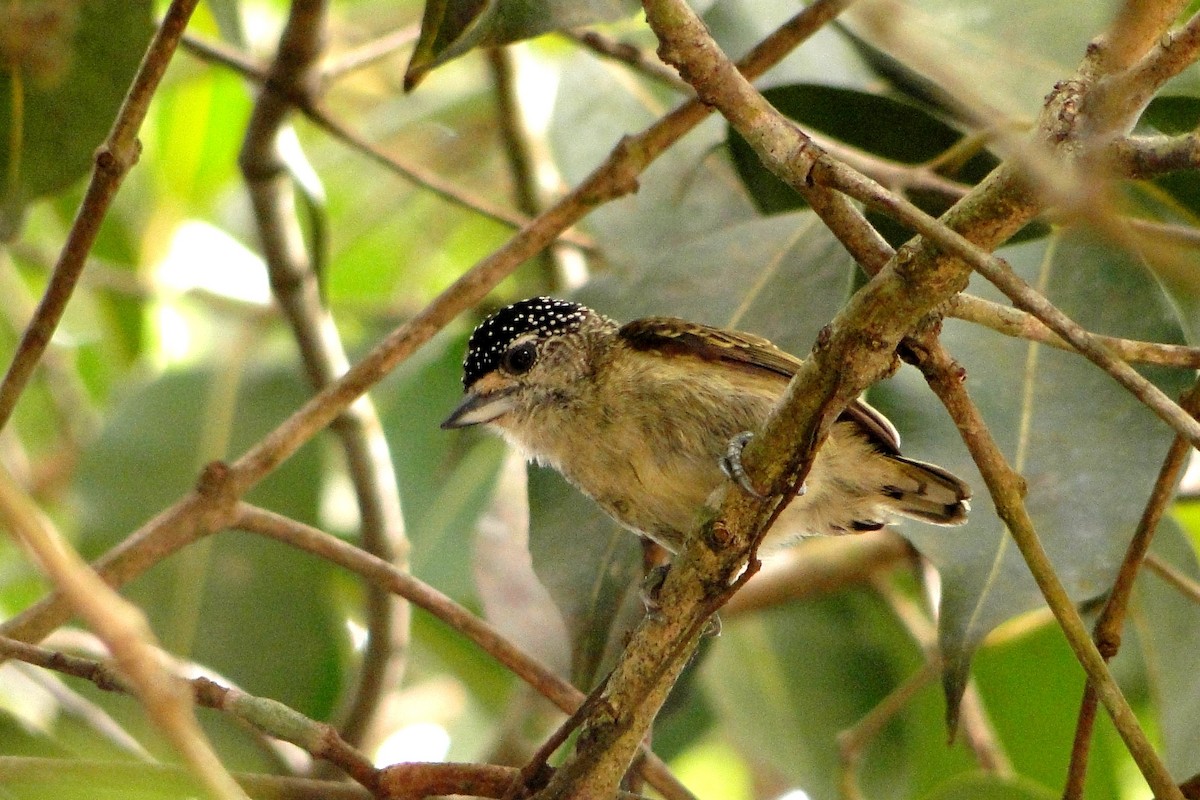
[639, 417]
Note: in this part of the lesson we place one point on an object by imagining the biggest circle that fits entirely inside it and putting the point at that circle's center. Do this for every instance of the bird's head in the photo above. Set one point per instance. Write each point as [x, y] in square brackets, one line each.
[527, 356]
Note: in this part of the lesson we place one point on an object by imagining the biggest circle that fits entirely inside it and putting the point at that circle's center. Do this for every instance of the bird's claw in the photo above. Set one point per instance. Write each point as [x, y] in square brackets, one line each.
[731, 463]
[651, 586]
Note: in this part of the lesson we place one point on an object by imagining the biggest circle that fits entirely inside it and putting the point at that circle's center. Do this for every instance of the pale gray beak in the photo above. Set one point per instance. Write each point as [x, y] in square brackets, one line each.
[478, 408]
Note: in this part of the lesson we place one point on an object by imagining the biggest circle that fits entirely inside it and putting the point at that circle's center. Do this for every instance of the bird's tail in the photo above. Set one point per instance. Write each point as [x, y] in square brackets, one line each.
[929, 493]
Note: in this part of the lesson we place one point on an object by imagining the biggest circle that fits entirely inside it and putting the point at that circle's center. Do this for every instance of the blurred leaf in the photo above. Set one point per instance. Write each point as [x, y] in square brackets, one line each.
[684, 194]
[1172, 115]
[990, 787]
[446, 478]
[1005, 54]
[590, 565]
[1168, 626]
[450, 28]
[768, 259]
[1033, 712]
[514, 600]
[198, 124]
[786, 681]
[238, 603]
[1084, 445]
[897, 131]
[825, 57]
[76, 62]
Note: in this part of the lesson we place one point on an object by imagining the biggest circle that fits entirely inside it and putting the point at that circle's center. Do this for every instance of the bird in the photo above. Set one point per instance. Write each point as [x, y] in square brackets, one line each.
[639, 417]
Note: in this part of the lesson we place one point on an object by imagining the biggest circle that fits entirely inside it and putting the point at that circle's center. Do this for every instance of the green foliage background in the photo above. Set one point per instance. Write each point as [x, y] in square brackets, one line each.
[161, 365]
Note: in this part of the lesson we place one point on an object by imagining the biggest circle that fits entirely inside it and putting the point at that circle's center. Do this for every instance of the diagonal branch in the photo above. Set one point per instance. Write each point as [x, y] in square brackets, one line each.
[856, 349]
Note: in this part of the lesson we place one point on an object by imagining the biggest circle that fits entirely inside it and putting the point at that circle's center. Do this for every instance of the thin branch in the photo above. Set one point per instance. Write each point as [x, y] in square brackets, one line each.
[125, 631]
[1128, 88]
[118, 779]
[1023, 325]
[1007, 489]
[1107, 631]
[630, 55]
[414, 173]
[295, 284]
[113, 160]
[1148, 156]
[820, 567]
[268, 716]
[1134, 31]
[1187, 586]
[368, 53]
[386, 576]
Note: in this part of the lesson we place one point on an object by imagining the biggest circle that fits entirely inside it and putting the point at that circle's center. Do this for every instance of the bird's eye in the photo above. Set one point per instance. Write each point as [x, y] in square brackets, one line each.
[518, 360]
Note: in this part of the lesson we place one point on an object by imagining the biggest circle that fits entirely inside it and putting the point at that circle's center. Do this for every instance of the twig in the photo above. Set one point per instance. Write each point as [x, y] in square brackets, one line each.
[1134, 31]
[1107, 631]
[117, 779]
[819, 567]
[1129, 86]
[414, 173]
[630, 55]
[384, 575]
[295, 284]
[125, 631]
[1007, 489]
[1188, 587]
[854, 740]
[1023, 325]
[518, 152]
[317, 738]
[114, 159]
[368, 53]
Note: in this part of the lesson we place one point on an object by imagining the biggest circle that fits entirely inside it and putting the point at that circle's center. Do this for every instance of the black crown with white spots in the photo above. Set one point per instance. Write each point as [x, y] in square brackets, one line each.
[542, 315]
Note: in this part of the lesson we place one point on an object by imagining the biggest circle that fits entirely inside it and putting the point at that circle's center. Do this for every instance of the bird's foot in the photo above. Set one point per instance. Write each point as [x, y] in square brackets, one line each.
[731, 463]
[651, 585]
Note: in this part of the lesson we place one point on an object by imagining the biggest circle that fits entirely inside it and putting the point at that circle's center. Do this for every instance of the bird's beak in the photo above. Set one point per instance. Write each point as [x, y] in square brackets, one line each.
[479, 407]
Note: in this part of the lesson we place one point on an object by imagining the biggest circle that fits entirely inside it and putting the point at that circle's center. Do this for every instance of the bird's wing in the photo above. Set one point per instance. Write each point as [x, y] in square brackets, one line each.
[735, 348]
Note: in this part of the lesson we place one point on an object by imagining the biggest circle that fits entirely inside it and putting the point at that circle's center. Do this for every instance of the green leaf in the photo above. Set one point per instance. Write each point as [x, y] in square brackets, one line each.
[592, 568]
[238, 603]
[990, 787]
[786, 681]
[75, 66]
[1031, 687]
[1005, 54]
[1168, 627]
[1084, 445]
[1172, 115]
[450, 28]
[889, 129]
[446, 478]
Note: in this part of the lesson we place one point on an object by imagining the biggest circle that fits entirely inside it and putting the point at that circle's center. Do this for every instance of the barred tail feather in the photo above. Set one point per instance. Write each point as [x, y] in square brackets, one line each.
[928, 493]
